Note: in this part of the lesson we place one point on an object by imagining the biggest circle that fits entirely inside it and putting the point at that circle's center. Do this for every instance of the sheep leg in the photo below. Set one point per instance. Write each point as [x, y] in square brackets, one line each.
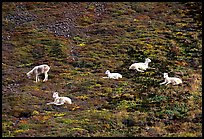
[56, 102]
[36, 78]
[163, 83]
[50, 103]
[46, 77]
[167, 83]
[114, 77]
[139, 70]
[59, 103]
[175, 83]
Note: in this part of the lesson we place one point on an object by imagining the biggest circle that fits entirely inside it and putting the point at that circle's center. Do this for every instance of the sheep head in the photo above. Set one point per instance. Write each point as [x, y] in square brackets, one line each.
[147, 60]
[55, 95]
[165, 75]
[107, 72]
[28, 75]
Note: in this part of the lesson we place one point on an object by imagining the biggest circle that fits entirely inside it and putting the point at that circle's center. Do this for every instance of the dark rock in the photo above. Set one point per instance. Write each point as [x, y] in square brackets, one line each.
[128, 122]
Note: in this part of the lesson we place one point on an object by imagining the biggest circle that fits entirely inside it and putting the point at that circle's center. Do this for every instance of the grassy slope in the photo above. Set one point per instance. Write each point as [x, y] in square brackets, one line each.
[102, 36]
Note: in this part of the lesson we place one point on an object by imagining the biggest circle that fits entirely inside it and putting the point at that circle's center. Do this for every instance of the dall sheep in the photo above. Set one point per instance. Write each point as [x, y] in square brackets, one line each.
[37, 70]
[140, 66]
[173, 80]
[113, 75]
[60, 100]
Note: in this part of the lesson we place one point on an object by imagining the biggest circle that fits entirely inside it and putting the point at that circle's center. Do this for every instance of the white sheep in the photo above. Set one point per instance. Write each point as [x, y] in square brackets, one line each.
[173, 80]
[142, 66]
[113, 75]
[37, 70]
[60, 100]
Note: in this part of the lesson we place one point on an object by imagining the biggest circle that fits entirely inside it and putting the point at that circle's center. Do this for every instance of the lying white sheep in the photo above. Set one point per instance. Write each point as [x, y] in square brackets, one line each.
[60, 100]
[37, 70]
[173, 80]
[142, 66]
[113, 75]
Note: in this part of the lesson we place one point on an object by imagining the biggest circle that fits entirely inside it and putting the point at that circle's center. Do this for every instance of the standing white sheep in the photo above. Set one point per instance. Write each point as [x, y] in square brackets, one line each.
[37, 70]
[113, 75]
[140, 66]
[60, 100]
[173, 80]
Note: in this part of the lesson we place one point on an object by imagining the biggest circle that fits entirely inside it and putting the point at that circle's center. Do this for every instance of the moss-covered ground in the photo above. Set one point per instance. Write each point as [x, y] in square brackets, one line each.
[80, 41]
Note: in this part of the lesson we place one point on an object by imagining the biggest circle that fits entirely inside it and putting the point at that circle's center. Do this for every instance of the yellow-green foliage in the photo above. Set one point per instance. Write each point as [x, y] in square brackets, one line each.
[59, 114]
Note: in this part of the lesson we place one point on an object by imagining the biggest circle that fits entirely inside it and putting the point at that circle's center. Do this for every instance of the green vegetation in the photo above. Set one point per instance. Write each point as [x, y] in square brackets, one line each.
[80, 41]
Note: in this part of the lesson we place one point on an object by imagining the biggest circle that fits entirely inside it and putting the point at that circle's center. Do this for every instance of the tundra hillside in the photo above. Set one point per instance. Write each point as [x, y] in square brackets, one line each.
[80, 41]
